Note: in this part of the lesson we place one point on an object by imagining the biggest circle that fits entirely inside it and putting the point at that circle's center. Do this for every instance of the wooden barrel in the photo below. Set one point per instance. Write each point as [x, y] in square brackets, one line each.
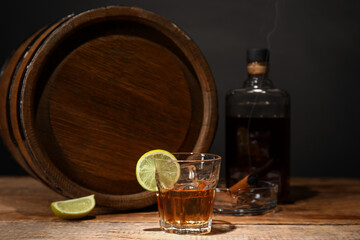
[82, 99]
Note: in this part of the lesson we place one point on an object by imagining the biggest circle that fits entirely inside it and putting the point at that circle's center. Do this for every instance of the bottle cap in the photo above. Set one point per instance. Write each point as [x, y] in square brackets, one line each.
[258, 55]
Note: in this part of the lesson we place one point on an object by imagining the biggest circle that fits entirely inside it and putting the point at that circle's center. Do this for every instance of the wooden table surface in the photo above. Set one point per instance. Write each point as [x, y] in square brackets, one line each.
[323, 208]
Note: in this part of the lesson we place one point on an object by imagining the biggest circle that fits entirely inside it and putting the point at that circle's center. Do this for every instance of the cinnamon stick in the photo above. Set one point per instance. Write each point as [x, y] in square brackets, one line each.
[247, 182]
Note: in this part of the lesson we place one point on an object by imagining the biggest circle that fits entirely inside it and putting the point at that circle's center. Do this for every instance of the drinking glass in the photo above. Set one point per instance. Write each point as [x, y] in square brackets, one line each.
[187, 206]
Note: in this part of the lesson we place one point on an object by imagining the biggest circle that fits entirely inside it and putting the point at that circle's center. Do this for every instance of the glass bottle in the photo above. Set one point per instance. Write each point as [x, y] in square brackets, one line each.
[258, 127]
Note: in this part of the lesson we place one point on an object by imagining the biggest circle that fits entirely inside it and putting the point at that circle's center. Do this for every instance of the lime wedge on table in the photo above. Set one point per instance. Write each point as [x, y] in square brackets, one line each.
[74, 208]
[168, 171]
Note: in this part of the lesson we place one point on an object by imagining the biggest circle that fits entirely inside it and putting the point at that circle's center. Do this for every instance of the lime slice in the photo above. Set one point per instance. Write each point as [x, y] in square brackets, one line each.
[74, 208]
[168, 171]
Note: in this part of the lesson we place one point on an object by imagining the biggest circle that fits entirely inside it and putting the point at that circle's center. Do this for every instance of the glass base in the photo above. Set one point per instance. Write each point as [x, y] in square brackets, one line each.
[186, 228]
[253, 211]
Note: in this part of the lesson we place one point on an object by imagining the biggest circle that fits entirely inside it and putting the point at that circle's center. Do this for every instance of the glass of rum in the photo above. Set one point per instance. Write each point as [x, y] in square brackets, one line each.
[187, 206]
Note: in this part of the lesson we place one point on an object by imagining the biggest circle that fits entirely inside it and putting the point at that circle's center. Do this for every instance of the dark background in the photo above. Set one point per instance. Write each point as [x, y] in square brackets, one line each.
[315, 56]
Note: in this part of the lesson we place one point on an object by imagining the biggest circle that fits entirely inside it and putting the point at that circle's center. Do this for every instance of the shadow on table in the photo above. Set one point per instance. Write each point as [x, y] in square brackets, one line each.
[152, 229]
[218, 227]
[298, 193]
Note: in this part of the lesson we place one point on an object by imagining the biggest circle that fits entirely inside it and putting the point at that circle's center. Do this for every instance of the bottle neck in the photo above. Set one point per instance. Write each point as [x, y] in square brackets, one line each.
[258, 75]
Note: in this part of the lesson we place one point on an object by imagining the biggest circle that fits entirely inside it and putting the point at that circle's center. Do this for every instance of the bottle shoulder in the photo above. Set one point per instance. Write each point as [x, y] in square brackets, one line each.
[238, 98]
[257, 91]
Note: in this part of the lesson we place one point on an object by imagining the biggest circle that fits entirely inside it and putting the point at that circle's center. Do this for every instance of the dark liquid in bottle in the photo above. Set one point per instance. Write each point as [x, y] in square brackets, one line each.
[261, 146]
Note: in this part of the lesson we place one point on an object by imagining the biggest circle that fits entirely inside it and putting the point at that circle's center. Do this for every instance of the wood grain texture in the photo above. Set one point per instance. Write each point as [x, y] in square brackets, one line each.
[148, 91]
[114, 230]
[95, 91]
[323, 209]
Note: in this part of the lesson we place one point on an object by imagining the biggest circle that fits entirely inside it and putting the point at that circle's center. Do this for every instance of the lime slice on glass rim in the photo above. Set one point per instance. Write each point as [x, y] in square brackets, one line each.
[168, 171]
[74, 208]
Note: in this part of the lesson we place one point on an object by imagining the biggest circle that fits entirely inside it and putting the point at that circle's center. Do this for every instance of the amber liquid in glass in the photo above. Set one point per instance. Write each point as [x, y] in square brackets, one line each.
[186, 207]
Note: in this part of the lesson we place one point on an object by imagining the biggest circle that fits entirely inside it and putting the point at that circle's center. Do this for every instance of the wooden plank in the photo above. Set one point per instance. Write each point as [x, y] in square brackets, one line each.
[322, 209]
[140, 230]
[316, 201]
